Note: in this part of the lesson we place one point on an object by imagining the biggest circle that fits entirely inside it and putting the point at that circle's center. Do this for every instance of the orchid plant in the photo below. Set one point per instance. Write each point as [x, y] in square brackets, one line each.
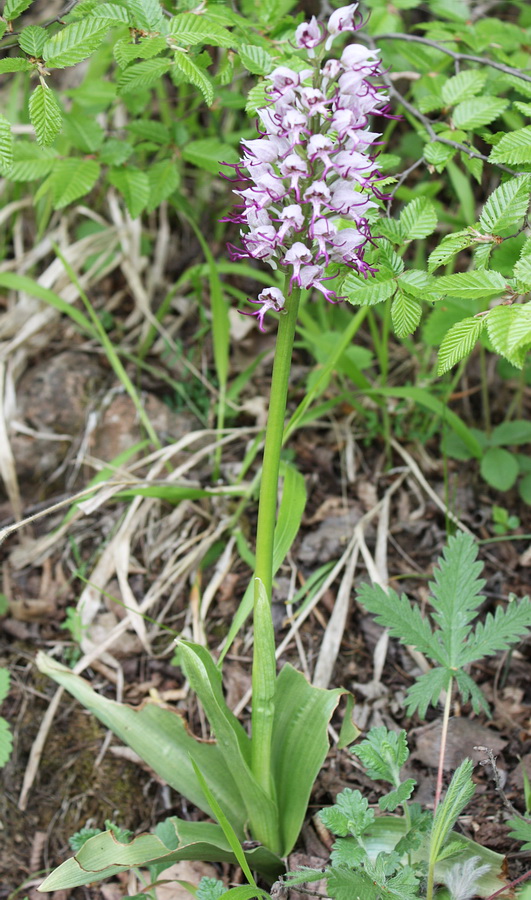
[310, 181]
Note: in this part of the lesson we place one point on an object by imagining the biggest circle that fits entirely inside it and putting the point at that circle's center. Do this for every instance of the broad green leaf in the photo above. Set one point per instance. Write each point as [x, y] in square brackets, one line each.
[459, 342]
[6, 146]
[256, 98]
[449, 247]
[162, 739]
[124, 51]
[463, 86]
[349, 815]
[15, 64]
[146, 13]
[418, 219]
[147, 130]
[474, 166]
[478, 285]
[142, 75]
[163, 181]
[406, 313]
[195, 75]
[113, 13]
[509, 329]
[74, 43]
[438, 154]
[420, 284]
[297, 704]
[209, 154]
[189, 29]
[522, 273]
[289, 514]
[45, 114]
[477, 112]
[114, 152]
[72, 178]
[514, 148]
[255, 59]
[506, 206]
[83, 131]
[14, 8]
[509, 433]
[368, 291]
[31, 161]
[32, 39]
[524, 108]
[233, 743]
[499, 468]
[133, 185]
[102, 856]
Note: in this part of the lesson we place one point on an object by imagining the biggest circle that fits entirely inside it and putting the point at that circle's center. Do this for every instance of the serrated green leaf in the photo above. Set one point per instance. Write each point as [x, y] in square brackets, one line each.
[474, 166]
[114, 152]
[147, 14]
[477, 112]
[459, 342]
[6, 742]
[15, 64]
[255, 59]
[13, 8]
[420, 284]
[347, 852]
[524, 108]
[418, 219]
[449, 247]
[367, 292]
[45, 114]
[392, 230]
[499, 468]
[501, 630]
[142, 75]
[31, 161]
[406, 313]
[522, 273]
[426, 691]
[163, 181]
[437, 154]
[124, 51]
[398, 614]
[463, 86]
[521, 831]
[4, 684]
[256, 98]
[71, 179]
[83, 131]
[189, 29]
[193, 74]
[506, 206]
[458, 795]
[149, 130]
[509, 329]
[75, 42]
[113, 13]
[346, 884]
[349, 815]
[514, 148]
[6, 149]
[383, 753]
[133, 185]
[209, 154]
[478, 284]
[401, 794]
[32, 39]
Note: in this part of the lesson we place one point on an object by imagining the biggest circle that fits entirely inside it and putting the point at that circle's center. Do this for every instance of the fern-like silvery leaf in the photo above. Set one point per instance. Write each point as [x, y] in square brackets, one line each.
[498, 631]
[383, 753]
[45, 114]
[458, 342]
[427, 691]
[403, 620]
[456, 596]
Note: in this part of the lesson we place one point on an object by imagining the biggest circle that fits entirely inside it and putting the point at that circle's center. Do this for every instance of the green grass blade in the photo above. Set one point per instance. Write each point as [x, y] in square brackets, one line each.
[31, 287]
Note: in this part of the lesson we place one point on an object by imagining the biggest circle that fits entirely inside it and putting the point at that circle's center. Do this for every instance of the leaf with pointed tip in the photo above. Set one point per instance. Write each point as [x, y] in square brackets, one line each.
[45, 114]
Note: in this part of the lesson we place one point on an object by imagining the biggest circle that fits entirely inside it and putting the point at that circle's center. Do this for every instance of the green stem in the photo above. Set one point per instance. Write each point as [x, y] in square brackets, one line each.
[438, 790]
[264, 662]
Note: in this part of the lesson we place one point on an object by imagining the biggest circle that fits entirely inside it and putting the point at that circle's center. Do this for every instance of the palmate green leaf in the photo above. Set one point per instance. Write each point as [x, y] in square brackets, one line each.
[103, 856]
[45, 114]
[476, 285]
[499, 468]
[459, 342]
[499, 631]
[15, 64]
[32, 39]
[193, 74]
[509, 329]
[383, 753]
[6, 146]
[369, 291]
[349, 815]
[427, 691]
[418, 219]
[70, 179]
[133, 185]
[75, 42]
[506, 206]
[406, 313]
[255, 59]
[401, 794]
[302, 715]
[13, 8]
[142, 75]
[463, 86]
[456, 597]
[514, 148]
[189, 29]
[403, 620]
[477, 112]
